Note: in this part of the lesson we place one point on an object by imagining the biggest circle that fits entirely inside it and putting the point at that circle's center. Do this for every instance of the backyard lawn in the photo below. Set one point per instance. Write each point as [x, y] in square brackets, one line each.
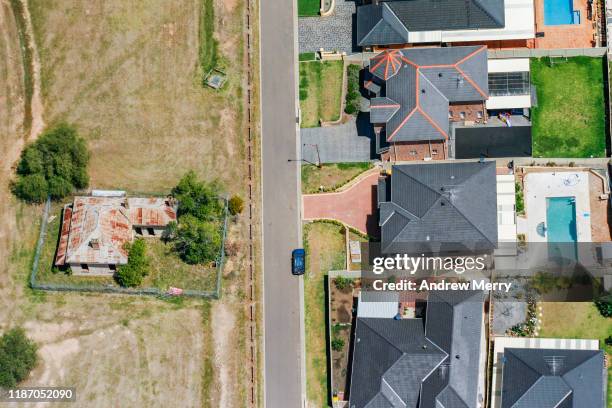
[308, 7]
[325, 251]
[320, 91]
[578, 321]
[330, 176]
[569, 120]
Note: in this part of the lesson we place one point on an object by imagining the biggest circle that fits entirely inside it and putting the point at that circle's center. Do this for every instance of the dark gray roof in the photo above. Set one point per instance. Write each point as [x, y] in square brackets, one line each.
[397, 364]
[420, 83]
[390, 21]
[440, 207]
[542, 378]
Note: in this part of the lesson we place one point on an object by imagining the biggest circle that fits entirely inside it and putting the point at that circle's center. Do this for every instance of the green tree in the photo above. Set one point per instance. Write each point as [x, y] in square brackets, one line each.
[604, 307]
[198, 198]
[55, 165]
[337, 344]
[197, 241]
[17, 357]
[132, 274]
[235, 205]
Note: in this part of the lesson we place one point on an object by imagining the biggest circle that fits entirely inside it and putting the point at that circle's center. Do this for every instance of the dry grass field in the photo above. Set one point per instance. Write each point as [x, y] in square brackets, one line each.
[126, 74]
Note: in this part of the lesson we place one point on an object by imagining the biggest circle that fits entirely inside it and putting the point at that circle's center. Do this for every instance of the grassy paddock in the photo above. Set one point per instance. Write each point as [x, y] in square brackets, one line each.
[569, 120]
[330, 176]
[325, 251]
[208, 43]
[320, 91]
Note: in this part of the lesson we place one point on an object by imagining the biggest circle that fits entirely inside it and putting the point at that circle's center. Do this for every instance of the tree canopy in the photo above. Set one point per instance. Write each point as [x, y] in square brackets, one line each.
[55, 165]
[17, 357]
[132, 274]
[198, 198]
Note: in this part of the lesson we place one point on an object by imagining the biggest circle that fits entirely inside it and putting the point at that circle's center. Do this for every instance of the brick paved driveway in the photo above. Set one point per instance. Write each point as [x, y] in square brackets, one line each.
[355, 206]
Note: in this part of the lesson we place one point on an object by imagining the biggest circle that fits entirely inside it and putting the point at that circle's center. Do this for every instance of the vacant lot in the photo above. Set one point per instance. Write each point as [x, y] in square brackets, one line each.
[325, 250]
[578, 321]
[330, 176]
[127, 75]
[569, 120]
[320, 91]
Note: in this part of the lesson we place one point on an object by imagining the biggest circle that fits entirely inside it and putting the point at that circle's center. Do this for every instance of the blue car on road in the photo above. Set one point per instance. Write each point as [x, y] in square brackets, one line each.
[298, 261]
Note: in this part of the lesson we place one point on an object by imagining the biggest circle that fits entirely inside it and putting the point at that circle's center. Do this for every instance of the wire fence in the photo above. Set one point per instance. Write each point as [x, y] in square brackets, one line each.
[150, 291]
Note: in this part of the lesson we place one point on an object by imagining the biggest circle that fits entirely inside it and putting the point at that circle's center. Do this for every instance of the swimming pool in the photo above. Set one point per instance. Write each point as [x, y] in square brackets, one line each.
[561, 227]
[560, 12]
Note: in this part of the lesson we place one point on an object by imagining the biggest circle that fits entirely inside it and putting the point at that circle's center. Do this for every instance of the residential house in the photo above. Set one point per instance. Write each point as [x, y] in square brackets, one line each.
[400, 23]
[418, 92]
[543, 373]
[431, 362]
[96, 229]
[439, 208]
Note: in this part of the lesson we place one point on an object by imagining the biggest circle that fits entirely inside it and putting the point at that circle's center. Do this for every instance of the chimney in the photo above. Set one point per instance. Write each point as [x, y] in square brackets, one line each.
[126, 204]
[95, 244]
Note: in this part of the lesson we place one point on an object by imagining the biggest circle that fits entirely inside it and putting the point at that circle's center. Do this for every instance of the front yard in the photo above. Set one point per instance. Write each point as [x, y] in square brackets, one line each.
[569, 120]
[308, 8]
[325, 249]
[321, 85]
[330, 176]
[578, 321]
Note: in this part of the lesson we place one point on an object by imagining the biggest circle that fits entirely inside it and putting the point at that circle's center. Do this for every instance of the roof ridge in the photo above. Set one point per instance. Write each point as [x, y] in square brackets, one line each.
[484, 10]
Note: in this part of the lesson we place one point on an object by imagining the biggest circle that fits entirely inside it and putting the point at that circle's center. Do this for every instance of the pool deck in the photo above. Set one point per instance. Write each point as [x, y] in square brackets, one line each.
[565, 36]
[542, 185]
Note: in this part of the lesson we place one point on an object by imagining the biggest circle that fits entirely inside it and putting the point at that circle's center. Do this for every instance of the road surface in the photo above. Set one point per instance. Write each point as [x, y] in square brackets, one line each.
[283, 293]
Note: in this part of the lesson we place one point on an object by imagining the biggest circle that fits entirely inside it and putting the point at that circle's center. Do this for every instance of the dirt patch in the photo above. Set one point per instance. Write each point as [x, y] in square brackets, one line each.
[601, 214]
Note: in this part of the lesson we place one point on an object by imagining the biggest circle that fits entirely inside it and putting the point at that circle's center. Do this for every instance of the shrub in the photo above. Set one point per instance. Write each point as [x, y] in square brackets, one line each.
[235, 205]
[17, 357]
[520, 200]
[342, 283]
[604, 307]
[55, 165]
[337, 344]
[132, 274]
[608, 341]
[352, 90]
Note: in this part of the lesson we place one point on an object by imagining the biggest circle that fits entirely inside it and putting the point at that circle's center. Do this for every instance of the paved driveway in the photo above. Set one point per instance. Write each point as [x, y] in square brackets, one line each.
[337, 144]
[355, 206]
[332, 33]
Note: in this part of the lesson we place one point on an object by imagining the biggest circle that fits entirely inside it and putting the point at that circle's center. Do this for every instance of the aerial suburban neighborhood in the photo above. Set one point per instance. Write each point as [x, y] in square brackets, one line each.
[306, 203]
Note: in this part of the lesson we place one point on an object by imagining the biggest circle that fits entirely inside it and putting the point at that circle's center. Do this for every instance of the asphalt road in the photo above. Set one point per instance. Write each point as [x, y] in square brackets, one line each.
[283, 293]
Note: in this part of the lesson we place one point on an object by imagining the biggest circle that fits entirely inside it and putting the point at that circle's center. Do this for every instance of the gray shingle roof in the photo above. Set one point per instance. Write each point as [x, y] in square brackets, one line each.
[440, 206]
[542, 378]
[390, 21]
[421, 82]
[397, 364]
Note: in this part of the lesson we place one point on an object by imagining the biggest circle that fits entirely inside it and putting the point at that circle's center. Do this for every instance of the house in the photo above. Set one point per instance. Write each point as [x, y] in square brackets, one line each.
[418, 92]
[542, 373]
[438, 208]
[397, 23]
[431, 362]
[95, 230]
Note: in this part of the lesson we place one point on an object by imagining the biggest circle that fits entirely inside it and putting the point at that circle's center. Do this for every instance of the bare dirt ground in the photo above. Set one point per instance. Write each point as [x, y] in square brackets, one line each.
[126, 74]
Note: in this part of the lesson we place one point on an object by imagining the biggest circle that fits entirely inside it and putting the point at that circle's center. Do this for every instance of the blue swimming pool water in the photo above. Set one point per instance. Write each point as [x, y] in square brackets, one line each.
[561, 227]
[558, 12]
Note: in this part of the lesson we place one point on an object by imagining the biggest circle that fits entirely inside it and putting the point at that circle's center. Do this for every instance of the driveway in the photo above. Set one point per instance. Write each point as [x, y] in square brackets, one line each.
[332, 33]
[349, 142]
[356, 206]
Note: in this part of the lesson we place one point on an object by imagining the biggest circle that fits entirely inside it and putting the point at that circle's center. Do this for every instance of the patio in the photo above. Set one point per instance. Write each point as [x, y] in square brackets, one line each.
[582, 35]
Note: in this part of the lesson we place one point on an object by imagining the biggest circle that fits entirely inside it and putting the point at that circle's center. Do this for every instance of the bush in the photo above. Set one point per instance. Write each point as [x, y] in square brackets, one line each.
[55, 165]
[352, 91]
[235, 205]
[17, 357]
[342, 283]
[608, 341]
[132, 274]
[197, 241]
[604, 307]
[520, 200]
[337, 344]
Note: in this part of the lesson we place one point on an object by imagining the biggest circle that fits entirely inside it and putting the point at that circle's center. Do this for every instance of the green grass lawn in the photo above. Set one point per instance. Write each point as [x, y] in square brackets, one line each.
[569, 120]
[330, 176]
[325, 251]
[308, 7]
[320, 91]
[578, 321]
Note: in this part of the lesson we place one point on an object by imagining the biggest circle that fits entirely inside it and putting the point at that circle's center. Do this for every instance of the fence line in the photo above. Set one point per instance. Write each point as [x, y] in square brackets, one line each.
[540, 52]
[214, 294]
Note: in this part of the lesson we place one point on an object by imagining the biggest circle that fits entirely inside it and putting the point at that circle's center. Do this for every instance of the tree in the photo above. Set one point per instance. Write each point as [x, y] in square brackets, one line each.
[235, 205]
[604, 307]
[608, 341]
[54, 165]
[132, 274]
[337, 344]
[198, 198]
[197, 241]
[17, 357]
